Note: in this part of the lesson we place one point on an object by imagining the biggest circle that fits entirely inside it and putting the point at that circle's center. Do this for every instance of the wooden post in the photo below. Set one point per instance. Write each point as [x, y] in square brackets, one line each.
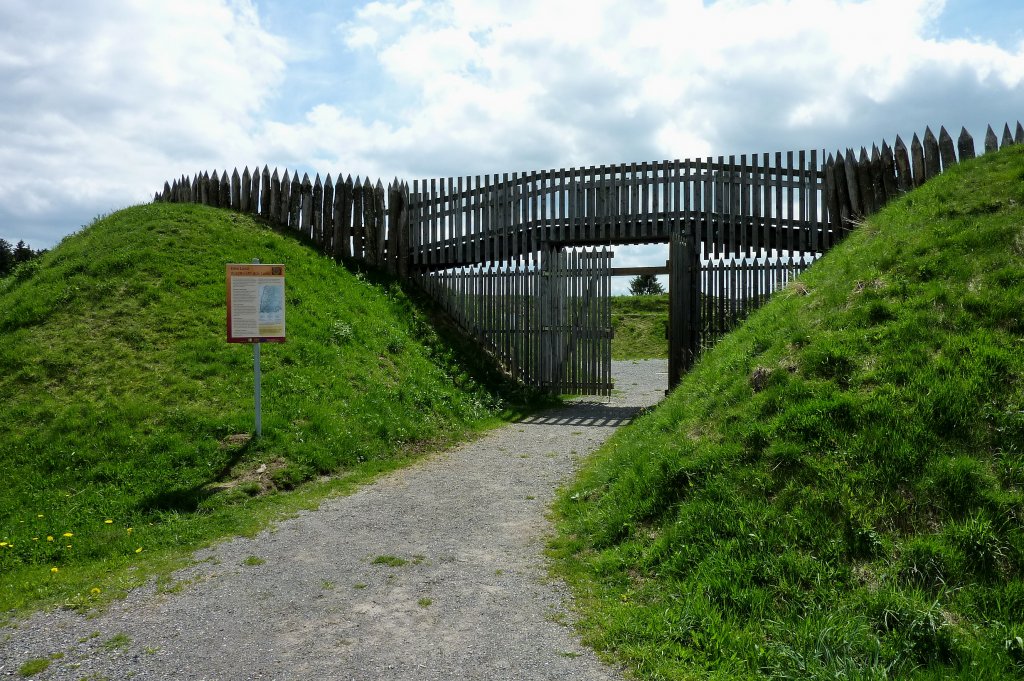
[991, 141]
[877, 190]
[328, 215]
[295, 203]
[346, 217]
[244, 190]
[214, 192]
[204, 189]
[404, 231]
[357, 219]
[965, 145]
[316, 220]
[1019, 135]
[369, 223]
[1007, 137]
[265, 193]
[947, 152]
[917, 155]
[225, 190]
[306, 207]
[194, 190]
[394, 203]
[380, 222]
[684, 306]
[842, 196]
[286, 189]
[275, 197]
[339, 197]
[932, 164]
[904, 174]
[889, 173]
[853, 186]
[867, 192]
[236, 190]
[254, 192]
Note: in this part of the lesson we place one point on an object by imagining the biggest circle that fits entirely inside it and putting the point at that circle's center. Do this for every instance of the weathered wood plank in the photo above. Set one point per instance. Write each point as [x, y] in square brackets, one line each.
[236, 190]
[991, 141]
[316, 213]
[889, 183]
[904, 174]
[932, 163]
[947, 151]
[265, 192]
[369, 223]
[358, 234]
[877, 186]
[327, 215]
[917, 155]
[225, 190]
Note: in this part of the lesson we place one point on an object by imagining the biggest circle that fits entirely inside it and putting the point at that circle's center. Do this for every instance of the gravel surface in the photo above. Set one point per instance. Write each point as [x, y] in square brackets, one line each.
[465, 594]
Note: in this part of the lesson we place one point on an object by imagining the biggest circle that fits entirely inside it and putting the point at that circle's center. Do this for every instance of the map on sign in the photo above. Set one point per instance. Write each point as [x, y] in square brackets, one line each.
[255, 303]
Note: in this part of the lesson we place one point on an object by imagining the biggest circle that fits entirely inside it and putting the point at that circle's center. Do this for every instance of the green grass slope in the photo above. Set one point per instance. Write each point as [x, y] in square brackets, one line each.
[835, 491]
[639, 324]
[123, 411]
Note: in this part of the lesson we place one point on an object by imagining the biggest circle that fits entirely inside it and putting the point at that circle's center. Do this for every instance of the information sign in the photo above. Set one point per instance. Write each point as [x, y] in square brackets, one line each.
[255, 303]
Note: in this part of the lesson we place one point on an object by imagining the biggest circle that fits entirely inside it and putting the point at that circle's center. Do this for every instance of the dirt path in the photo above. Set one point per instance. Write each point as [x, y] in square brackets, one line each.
[464, 596]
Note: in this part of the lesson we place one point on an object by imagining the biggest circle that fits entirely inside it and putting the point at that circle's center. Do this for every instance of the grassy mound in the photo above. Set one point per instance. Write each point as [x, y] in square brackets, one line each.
[639, 325]
[835, 491]
[124, 413]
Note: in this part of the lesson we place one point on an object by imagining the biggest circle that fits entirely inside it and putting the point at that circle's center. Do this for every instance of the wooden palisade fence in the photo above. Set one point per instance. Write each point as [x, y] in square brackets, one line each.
[346, 218]
[522, 261]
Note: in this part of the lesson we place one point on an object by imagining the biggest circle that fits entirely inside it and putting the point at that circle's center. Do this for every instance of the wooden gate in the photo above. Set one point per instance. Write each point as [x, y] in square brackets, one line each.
[548, 326]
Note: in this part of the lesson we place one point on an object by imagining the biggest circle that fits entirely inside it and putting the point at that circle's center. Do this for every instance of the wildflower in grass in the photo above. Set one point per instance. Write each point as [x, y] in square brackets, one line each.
[95, 590]
[67, 534]
[49, 537]
[129, 530]
[35, 538]
[40, 515]
[108, 521]
[2, 544]
[138, 550]
[53, 569]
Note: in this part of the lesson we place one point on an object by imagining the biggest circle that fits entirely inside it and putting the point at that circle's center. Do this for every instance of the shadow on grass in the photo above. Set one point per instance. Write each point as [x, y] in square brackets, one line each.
[188, 500]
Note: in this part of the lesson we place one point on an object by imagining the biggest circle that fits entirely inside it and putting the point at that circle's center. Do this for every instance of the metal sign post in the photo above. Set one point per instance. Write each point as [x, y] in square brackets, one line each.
[255, 302]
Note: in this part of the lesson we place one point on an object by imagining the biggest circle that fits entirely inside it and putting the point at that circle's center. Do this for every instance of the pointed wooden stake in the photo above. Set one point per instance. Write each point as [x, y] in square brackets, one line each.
[991, 141]
[965, 145]
[947, 152]
[904, 174]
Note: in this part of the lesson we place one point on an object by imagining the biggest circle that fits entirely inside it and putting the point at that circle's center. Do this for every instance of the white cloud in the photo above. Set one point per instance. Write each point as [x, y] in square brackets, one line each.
[105, 100]
[503, 85]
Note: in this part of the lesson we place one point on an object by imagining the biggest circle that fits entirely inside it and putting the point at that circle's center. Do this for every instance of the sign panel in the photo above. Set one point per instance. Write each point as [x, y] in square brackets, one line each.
[255, 303]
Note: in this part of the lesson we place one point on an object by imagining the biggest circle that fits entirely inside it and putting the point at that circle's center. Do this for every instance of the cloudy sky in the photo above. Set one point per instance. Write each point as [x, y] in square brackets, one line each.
[105, 99]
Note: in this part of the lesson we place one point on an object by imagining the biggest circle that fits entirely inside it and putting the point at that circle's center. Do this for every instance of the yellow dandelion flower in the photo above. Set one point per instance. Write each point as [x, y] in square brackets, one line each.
[67, 534]
[53, 569]
[3, 543]
[49, 537]
[35, 538]
[129, 530]
[68, 546]
[94, 590]
[138, 550]
[40, 515]
[108, 521]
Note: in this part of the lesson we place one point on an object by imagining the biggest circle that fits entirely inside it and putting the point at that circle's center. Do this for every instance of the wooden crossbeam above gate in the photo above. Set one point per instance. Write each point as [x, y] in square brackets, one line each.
[638, 271]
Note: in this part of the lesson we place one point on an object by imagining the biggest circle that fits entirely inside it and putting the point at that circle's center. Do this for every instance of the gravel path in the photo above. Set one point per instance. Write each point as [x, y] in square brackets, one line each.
[471, 601]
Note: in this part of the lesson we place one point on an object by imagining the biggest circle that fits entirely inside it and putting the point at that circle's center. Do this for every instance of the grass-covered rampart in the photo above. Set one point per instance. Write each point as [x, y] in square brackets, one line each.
[639, 325]
[837, 489]
[124, 414]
